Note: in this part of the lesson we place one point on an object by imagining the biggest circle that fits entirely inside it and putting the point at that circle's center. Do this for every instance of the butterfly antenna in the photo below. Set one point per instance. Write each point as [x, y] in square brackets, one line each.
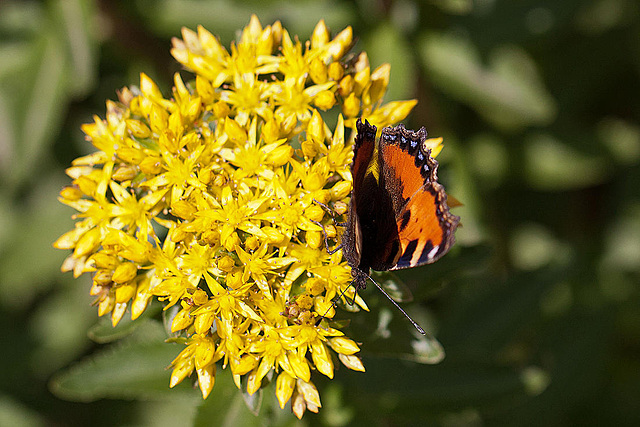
[413, 322]
[333, 304]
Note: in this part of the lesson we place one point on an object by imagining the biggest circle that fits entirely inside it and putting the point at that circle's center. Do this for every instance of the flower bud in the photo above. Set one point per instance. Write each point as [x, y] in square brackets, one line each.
[324, 100]
[226, 264]
[138, 129]
[151, 165]
[351, 106]
[335, 71]
[125, 173]
[125, 272]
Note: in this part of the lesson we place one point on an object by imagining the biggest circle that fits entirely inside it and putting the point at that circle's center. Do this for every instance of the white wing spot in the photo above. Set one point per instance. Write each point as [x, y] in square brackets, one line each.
[433, 251]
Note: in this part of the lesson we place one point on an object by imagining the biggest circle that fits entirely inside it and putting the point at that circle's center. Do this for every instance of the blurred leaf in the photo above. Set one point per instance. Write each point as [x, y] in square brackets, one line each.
[553, 165]
[134, 368]
[75, 20]
[165, 413]
[393, 285]
[533, 246]
[59, 326]
[52, 61]
[16, 414]
[386, 332]
[622, 244]
[7, 218]
[417, 394]
[226, 17]
[386, 45]
[427, 281]
[29, 260]
[254, 401]
[509, 92]
[458, 7]
[488, 159]
[598, 16]
[104, 332]
[622, 138]
[33, 116]
[490, 313]
[226, 406]
[579, 341]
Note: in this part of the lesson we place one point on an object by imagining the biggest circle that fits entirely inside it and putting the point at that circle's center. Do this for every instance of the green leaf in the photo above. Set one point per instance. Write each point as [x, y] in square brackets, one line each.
[407, 391]
[553, 165]
[226, 406]
[492, 315]
[32, 91]
[132, 369]
[30, 262]
[508, 92]
[53, 61]
[15, 414]
[253, 401]
[103, 331]
[74, 20]
[226, 17]
[428, 281]
[59, 325]
[622, 138]
[386, 332]
[457, 7]
[387, 45]
[393, 285]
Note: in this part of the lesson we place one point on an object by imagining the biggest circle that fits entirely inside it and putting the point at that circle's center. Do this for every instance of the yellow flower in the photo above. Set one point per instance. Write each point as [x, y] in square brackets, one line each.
[206, 200]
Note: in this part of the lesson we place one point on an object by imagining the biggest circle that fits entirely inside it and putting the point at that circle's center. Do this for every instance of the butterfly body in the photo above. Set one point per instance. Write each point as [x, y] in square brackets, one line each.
[398, 213]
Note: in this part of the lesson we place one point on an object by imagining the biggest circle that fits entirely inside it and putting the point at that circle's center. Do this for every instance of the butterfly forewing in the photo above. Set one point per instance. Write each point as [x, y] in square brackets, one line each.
[363, 149]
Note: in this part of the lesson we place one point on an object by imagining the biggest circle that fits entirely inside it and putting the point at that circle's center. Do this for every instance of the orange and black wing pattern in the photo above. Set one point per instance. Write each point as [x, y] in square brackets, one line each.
[423, 224]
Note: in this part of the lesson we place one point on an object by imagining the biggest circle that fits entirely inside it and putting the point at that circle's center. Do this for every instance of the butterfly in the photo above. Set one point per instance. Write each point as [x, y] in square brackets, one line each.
[398, 215]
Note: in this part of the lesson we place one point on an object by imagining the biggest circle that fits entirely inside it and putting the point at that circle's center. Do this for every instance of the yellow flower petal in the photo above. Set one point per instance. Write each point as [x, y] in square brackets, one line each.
[322, 359]
[125, 292]
[117, 313]
[206, 379]
[309, 392]
[351, 362]
[284, 388]
[344, 345]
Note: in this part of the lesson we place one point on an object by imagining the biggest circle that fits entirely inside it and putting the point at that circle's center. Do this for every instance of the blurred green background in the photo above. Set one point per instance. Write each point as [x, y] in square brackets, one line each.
[537, 307]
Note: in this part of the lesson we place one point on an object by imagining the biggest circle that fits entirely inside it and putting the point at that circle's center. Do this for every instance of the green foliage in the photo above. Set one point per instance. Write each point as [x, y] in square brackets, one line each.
[536, 307]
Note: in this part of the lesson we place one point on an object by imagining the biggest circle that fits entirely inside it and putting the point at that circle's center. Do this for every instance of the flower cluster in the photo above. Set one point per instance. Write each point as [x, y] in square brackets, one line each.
[206, 200]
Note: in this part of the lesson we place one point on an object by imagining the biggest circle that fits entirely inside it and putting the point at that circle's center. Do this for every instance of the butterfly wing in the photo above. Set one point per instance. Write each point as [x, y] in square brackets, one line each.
[408, 174]
[363, 149]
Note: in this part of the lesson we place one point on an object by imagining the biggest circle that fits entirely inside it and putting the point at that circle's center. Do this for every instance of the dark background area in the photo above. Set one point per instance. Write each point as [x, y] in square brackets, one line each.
[537, 306]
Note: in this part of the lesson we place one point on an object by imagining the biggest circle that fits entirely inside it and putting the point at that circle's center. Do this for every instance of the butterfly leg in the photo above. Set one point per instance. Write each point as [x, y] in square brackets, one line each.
[325, 207]
[330, 212]
[326, 239]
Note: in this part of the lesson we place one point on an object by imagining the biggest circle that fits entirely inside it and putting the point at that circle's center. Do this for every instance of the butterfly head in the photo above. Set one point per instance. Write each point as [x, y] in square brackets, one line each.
[360, 277]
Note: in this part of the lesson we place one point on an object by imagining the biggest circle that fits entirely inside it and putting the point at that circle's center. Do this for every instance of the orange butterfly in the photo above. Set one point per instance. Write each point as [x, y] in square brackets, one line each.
[398, 213]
